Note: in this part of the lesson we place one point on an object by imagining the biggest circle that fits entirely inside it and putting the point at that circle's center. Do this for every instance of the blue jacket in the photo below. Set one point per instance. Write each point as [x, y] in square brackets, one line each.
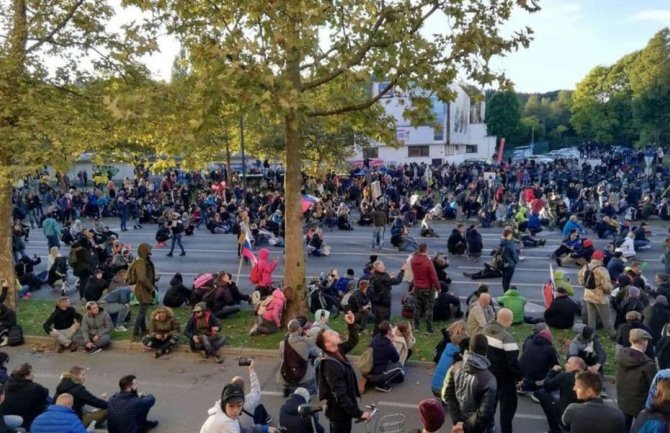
[572, 225]
[510, 252]
[57, 419]
[444, 364]
[127, 412]
[383, 353]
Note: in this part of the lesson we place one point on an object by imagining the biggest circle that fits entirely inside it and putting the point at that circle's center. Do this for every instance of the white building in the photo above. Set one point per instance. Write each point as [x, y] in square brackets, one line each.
[462, 135]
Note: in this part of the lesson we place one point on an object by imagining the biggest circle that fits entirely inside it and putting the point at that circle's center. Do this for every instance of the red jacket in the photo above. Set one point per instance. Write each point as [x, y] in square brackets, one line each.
[423, 269]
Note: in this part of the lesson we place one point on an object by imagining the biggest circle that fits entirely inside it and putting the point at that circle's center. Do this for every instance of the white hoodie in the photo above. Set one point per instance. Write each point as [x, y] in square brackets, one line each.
[218, 422]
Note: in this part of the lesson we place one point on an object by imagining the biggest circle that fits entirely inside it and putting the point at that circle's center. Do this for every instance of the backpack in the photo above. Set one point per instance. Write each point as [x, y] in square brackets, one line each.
[366, 361]
[294, 366]
[342, 284]
[347, 301]
[408, 306]
[72, 256]
[373, 294]
[590, 278]
[15, 336]
[255, 275]
[131, 274]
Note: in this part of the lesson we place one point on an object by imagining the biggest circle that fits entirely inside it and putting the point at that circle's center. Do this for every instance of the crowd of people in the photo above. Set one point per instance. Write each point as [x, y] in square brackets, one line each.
[479, 365]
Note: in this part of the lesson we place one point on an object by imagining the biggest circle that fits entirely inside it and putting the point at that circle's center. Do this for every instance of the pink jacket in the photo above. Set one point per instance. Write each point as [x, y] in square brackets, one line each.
[266, 267]
[275, 308]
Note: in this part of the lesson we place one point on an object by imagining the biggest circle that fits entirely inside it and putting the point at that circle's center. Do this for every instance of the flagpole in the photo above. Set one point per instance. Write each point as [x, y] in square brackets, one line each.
[239, 270]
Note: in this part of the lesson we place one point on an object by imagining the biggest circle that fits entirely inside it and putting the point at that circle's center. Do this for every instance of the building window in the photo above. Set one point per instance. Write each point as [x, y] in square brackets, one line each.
[418, 151]
[439, 109]
[371, 153]
[470, 148]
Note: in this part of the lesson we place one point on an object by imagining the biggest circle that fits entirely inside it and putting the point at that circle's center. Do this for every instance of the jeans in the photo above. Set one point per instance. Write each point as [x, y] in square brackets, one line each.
[378, 237]
[176, 239]
[13, 421]
[209, 343]
[603, 310]
[507, 274]
[140, 322]
[103, 340]
[549, 406]
[363, 317]
[119, 312]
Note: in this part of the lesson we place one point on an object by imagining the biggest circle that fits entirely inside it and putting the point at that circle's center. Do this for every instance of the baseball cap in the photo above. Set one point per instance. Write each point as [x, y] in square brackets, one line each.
[232, 394]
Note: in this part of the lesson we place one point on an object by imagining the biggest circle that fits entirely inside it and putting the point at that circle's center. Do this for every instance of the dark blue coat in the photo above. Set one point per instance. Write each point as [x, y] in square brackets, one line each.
[538, 357]
[127, 412]
[58, 419]
[383, 353]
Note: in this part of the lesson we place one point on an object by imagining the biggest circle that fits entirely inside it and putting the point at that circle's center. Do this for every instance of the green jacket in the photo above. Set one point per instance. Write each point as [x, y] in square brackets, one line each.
[143, 275]
[559, 279]
[515, 302]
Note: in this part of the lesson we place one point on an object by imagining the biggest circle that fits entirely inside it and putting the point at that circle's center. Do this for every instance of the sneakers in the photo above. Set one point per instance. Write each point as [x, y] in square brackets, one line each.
[148, 425]
[168, 255]
[93, 350]
[60, 349]
[158, 353]
[383, 388]
[121, 328]
[4, 341]
[219, 359]
[183, 253]
[533, 397]
[73, 347]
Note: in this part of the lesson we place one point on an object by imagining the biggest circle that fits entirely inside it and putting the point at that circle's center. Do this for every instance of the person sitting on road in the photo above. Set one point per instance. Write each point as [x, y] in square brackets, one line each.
[457, 243]
[427, 230]
[24, 397]
[72, 382]
[386, 367]
[569, 245]
[538, 357]
[291, 420]
[492, 269]
[630, 302]
[63, 326]
[59, 417]
[95, 286]
[580, 257]
[562, 311]
[627, 247]
[96, 328]
[587, 346]
[128, 409]
[177, 293]
[573, 224]
[269, 321]
[564, 383]
[407, 243]
[316, 246]
[475, 244]
[224, 416]
[163, 331]
[202, 331]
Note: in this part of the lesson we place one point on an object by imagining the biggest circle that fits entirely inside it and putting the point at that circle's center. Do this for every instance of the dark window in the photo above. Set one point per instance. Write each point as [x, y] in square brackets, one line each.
[470, 148]
[371, 153]
[418, 151]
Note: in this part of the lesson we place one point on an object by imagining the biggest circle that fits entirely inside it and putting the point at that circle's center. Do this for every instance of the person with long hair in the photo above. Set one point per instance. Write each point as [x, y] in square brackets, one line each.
[659, 414]
[403, 340]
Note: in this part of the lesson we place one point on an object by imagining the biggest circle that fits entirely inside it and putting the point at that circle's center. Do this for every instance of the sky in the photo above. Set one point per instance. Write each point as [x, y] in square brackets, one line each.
[570, 38]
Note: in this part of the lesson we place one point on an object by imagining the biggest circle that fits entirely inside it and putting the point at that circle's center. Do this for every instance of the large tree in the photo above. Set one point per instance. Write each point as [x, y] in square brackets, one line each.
[276, 55]
[503, 116]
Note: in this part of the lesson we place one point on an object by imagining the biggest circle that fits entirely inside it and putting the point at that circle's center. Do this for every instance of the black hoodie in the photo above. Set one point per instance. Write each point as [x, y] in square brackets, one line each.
[25, 398]
[294, 423]
[177, 294]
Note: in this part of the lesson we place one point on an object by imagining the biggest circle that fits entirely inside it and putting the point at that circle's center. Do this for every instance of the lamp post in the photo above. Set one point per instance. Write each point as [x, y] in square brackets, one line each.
[244, 162]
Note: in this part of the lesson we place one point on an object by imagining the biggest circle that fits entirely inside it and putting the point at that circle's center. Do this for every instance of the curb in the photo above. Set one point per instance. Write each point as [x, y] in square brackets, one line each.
[132, 346]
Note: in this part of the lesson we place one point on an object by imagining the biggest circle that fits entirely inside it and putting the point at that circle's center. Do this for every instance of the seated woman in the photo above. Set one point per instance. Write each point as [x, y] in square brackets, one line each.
[627, 247]
[316, 246]
[343, 217]
[407, 242]
[269, 314]
[427, 230]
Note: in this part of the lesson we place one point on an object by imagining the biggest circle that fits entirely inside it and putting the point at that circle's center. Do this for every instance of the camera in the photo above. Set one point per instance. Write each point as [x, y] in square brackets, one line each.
[244, 362]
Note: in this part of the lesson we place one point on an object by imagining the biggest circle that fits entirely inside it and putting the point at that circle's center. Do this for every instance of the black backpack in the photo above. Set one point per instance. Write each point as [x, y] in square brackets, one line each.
[590, 278]
[15, 336]
[294, 366]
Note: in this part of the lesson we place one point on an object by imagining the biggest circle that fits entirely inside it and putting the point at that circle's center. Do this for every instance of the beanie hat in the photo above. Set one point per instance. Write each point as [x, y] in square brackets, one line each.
[633, 292]
[598, 255]
[431, 414]
[231, 394]
[302, 392]
[588, 243]
[538, 327]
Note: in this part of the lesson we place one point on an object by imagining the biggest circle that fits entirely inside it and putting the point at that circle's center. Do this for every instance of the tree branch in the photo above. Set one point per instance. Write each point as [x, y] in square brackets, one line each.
[356, 107]
[49, 37]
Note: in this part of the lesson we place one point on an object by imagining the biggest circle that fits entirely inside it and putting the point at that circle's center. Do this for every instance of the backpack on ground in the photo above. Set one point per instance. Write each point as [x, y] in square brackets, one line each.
[255, 275]
[294, 366]
[590, 278]
[366, 361]
[15, 336]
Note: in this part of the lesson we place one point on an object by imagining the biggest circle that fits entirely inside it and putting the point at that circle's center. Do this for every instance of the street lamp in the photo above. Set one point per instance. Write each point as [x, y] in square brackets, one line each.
[244, 162]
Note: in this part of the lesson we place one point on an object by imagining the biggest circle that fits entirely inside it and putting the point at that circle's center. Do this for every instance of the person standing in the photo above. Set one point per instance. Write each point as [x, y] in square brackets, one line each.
[379, 292]
[51, 230]
[596, 299]
[634, 374]
[379, 220]
[471, 390]
[128, 409]
[592, 414]
[337, 380]
[510, 257]
[304, 346]
[142, 274]
[177, 230]
[503, 352]
[426, 285]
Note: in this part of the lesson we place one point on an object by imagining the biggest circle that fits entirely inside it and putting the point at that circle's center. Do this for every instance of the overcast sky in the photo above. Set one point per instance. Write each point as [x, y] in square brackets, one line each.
[571, 37]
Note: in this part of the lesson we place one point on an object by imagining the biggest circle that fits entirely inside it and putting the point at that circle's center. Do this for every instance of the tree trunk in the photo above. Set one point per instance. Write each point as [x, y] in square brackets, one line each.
[6, 260]
[229, 166]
